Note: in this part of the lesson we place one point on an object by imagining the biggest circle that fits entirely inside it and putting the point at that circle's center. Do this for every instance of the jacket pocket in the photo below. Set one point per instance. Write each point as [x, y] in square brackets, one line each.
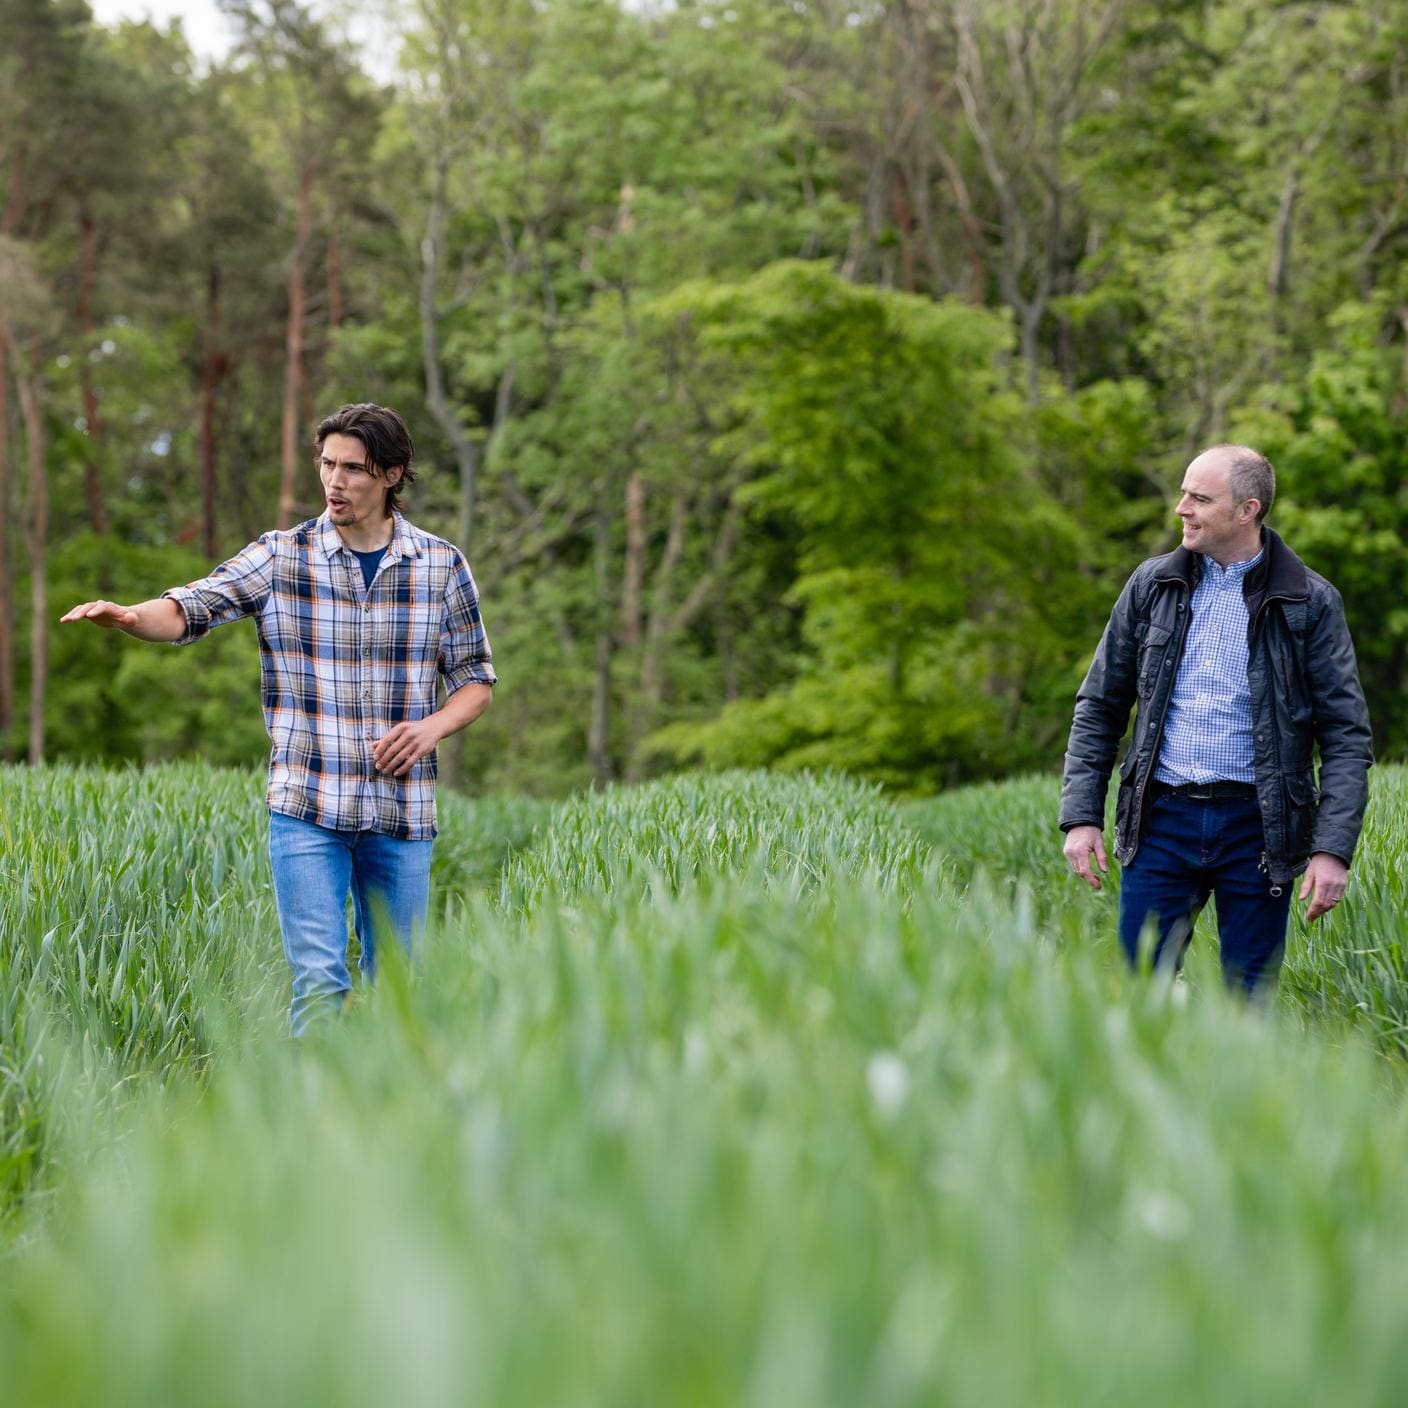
[1301, 797]
[1153, 648]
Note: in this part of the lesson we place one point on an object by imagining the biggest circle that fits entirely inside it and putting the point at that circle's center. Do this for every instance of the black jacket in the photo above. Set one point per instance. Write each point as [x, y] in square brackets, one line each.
[1304, 690]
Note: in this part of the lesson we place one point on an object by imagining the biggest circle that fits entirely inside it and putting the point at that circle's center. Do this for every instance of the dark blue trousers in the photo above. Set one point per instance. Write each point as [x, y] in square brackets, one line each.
[1193, 849]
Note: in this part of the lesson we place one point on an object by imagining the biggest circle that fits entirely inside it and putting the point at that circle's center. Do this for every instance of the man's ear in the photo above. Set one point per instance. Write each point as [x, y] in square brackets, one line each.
[1250, 509]
[393, 476]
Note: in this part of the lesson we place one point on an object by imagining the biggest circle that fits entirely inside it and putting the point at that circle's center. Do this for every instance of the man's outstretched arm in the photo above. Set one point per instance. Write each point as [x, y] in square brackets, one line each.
[158, 620]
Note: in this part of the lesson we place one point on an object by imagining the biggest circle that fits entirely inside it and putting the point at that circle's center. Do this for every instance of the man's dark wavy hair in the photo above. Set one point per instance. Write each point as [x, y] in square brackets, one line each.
[384, 437]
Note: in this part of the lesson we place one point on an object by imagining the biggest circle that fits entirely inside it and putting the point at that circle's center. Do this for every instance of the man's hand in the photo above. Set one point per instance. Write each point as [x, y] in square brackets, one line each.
[158, 620]
[1080, 842]
[1325, 879]
[107, 614]
[405, 745]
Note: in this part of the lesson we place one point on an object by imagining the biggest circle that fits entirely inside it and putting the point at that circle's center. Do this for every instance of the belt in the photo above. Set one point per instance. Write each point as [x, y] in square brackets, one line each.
[1203, 791]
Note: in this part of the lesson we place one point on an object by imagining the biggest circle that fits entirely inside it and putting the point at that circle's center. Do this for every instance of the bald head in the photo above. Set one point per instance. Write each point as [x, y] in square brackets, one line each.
[1249, 474]
[1226, 493]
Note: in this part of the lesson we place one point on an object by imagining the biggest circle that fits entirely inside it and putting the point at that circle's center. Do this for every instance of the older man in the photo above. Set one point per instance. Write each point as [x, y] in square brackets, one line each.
[1240, 662]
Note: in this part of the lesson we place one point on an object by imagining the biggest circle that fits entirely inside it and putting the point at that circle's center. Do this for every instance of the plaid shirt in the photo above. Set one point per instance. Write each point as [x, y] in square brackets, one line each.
[341, 663]
[1208, 730]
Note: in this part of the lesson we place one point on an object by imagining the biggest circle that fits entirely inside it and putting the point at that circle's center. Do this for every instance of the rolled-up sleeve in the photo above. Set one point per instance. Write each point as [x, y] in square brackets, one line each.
[238, 587]
[464, 657]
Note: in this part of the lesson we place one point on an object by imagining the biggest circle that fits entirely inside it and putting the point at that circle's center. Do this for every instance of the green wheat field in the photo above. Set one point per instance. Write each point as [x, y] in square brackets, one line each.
[739, 1089]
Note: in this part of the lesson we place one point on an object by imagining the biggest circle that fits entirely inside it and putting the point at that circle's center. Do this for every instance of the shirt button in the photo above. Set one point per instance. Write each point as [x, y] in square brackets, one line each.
[366, 606]
[369, 735]
[366, 694]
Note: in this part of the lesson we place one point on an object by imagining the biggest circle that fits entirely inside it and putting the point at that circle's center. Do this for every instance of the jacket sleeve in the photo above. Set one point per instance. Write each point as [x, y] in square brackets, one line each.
[1103, 703]
[1341, 731]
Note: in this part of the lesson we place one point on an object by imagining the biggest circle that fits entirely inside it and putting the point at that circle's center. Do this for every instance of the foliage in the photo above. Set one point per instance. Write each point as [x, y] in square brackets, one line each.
[813, 375]
[1335, 437]
[112, 698]
[878, 424]
[729, 1088]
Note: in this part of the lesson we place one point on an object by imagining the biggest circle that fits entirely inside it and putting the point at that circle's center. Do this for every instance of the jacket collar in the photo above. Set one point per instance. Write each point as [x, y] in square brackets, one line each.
[403, 538]
[1280, 573]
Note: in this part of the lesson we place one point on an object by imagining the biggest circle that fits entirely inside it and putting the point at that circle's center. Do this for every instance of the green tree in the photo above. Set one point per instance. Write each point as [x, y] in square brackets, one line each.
[1335, 436]
[879, 423]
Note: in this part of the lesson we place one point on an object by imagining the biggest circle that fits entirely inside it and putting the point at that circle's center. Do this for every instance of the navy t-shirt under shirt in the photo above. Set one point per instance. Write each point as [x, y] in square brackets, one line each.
[370, 562]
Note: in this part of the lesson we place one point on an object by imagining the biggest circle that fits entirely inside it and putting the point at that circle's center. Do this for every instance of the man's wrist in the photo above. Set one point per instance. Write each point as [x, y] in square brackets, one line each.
[1338, 859]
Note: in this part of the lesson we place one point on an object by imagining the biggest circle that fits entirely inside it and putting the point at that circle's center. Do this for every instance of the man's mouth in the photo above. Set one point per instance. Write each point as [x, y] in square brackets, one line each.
[336, 503]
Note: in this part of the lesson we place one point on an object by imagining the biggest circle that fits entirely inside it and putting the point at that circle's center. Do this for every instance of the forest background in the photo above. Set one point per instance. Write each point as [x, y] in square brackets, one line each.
[801, 379]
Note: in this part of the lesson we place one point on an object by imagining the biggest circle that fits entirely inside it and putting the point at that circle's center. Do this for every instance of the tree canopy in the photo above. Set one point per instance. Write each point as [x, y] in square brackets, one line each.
[801, 380]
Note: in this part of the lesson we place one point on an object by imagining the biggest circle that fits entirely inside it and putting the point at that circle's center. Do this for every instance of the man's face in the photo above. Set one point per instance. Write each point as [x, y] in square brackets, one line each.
[355, 491]
[1213, 522]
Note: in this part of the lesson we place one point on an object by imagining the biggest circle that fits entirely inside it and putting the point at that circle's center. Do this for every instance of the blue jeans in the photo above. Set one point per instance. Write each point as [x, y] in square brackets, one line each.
[1193, 849]
[314, 867]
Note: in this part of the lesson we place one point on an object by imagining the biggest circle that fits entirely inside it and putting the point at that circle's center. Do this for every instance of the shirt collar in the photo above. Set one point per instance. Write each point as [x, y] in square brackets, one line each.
[1233, 571]
[403, 540]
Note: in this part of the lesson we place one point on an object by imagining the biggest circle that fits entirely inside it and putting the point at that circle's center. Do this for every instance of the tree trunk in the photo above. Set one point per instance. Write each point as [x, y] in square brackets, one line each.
[633, 574]
[9, 222]
[1277, 275]
[87, 278]
[665, 624]
[7, 610]
[334, 279]
[503, 408]
[724, 648]
[975, 287]
[1029, 324]
[36, 537]
[14, 193]
[599, 728]
[466, 451]
[293, 351]
[214, 366]
[658, 627]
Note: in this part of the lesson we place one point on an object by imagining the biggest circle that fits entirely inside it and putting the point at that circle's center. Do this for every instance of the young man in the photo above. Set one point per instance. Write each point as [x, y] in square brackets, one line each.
[1240, 661]
[357, 611]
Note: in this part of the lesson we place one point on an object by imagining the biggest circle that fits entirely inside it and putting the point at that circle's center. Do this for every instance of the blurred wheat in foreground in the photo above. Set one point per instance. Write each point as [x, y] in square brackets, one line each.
[742, 1089]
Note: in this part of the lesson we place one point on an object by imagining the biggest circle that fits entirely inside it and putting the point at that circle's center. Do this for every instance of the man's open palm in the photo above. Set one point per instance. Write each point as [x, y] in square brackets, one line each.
[107, 614]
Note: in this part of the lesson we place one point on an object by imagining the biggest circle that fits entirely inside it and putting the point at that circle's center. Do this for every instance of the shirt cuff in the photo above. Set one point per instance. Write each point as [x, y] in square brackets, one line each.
[197, 614]
[468, 674]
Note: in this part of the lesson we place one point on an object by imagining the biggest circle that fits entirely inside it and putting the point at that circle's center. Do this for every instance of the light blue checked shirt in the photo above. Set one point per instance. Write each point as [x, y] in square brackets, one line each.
[1208, 728]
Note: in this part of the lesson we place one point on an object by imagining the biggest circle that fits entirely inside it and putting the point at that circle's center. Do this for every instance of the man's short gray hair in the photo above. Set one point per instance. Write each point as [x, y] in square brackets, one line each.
[1250, 476]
